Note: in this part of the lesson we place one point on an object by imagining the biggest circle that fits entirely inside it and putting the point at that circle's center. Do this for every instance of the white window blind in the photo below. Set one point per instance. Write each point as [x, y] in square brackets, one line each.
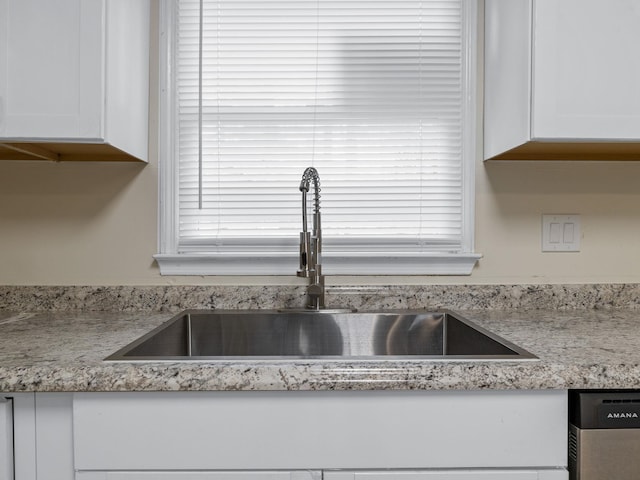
[373, 93]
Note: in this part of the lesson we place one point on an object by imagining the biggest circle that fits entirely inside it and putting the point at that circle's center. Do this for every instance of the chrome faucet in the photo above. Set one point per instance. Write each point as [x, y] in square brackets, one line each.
[311, 242]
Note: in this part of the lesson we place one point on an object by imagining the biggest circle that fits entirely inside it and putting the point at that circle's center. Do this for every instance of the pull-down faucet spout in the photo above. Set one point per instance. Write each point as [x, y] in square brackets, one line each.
[311, 242]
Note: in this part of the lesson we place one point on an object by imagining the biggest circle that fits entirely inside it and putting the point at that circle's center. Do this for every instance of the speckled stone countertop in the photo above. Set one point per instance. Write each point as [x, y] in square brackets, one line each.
[64, 351]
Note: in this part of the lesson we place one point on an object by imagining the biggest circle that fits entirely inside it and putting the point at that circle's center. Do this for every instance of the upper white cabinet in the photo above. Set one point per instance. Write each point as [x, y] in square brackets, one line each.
[74, 79]
[562, 79]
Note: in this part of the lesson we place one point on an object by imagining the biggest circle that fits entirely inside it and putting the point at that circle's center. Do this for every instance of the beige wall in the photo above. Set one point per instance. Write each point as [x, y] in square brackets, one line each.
[511, 198]
[96, 224]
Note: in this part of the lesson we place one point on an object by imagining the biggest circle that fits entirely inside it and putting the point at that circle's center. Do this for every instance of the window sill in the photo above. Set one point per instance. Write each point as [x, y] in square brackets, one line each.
[332, 264]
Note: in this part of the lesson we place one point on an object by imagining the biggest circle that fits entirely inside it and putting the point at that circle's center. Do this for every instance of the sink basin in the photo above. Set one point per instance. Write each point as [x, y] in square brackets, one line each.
[270, 334]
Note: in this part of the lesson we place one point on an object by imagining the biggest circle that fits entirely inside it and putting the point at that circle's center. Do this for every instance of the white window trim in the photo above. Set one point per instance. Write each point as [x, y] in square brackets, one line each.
[348, 262]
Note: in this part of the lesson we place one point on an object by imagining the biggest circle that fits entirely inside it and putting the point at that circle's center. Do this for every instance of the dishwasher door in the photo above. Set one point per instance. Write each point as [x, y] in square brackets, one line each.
[6, 439]
[604, 435]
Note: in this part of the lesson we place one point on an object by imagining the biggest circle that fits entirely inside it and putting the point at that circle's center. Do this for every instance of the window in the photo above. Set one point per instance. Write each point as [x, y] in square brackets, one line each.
[377, 95]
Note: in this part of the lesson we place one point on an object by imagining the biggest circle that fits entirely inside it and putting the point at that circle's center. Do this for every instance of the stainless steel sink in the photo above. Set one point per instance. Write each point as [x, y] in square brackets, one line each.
[269, 334]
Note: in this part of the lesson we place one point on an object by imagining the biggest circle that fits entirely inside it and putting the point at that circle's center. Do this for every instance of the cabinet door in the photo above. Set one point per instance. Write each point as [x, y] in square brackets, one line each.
[319, 430]
[51, 69]
[220, 475]
[586, 69]
[54, 436]
[6, 439]
[548, 474]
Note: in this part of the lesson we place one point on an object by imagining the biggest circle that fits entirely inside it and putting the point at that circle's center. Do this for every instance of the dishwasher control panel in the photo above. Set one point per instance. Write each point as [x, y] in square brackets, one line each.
[604, 435]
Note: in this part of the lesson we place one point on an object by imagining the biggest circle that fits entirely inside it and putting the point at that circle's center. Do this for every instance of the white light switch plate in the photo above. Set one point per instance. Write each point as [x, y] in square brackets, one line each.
[561, 233]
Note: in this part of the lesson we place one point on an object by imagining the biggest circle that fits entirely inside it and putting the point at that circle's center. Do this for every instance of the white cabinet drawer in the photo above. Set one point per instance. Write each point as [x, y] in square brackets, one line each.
[255, 475]
[319, 430]
[507, 474]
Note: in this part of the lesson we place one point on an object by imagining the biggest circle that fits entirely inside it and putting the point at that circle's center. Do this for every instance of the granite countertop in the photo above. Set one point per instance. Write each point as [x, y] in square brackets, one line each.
[64, 351]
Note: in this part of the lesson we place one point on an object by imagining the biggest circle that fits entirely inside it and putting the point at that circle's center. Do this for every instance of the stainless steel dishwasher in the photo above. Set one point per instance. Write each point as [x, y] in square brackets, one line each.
[604, 435]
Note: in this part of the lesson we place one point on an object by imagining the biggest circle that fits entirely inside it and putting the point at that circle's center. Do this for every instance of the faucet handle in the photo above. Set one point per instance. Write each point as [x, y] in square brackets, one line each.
[305, 254]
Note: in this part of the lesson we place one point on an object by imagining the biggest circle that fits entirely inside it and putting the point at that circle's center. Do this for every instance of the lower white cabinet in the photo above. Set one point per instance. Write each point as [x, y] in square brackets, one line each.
[6, 438]
[18, 443]
[334, 475]
[319, 430]
[376, 435]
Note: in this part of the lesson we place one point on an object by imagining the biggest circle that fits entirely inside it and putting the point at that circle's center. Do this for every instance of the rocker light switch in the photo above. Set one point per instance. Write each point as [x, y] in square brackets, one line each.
[561, 233]
[554, 233]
